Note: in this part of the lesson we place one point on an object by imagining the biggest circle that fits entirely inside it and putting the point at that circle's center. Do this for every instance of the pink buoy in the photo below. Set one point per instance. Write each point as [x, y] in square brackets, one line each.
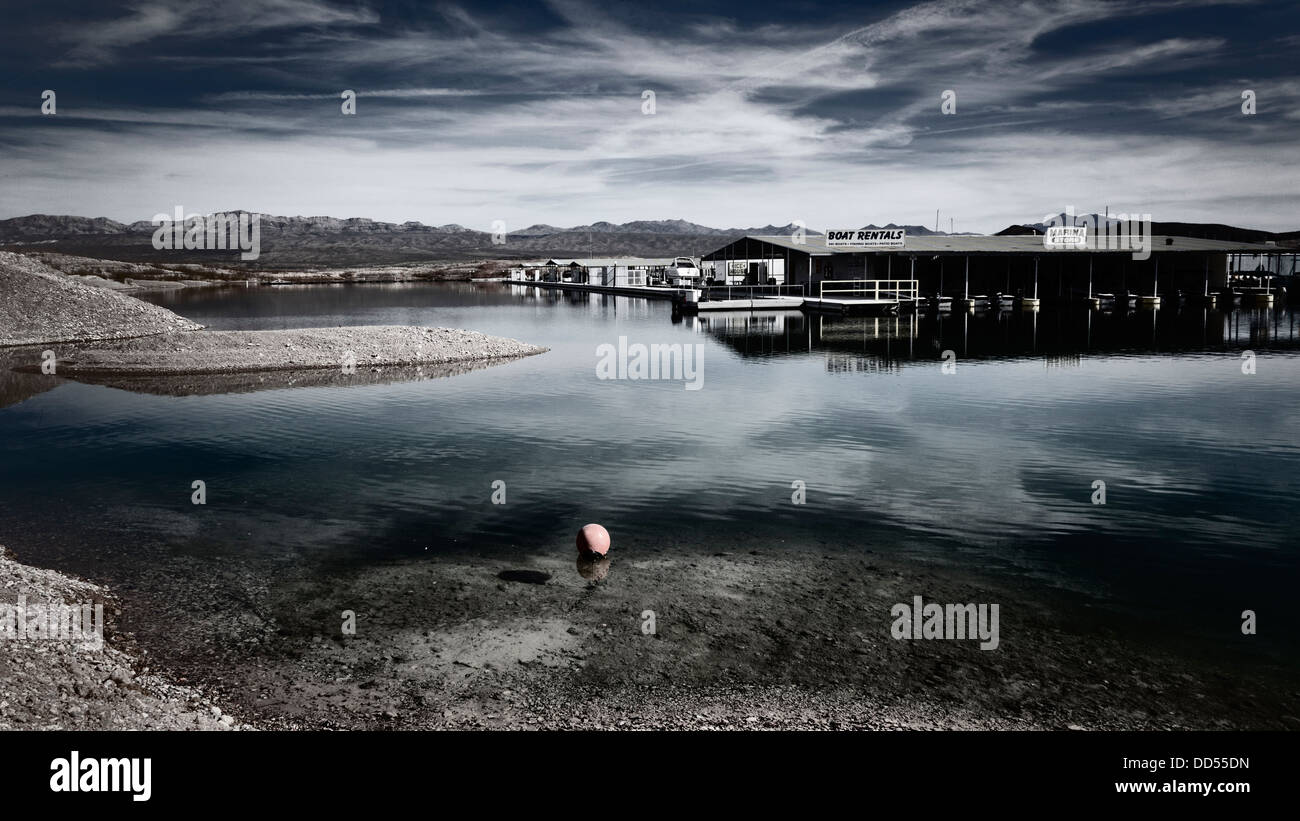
[593, 539]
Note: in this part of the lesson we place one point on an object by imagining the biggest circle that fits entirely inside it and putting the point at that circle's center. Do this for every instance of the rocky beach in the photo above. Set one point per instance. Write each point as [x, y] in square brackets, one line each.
[56, 684]
[459, 642]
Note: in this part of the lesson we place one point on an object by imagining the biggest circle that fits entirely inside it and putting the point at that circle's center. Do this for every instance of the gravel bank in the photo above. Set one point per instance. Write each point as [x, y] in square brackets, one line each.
[101, 336]
[67, 685]
[207, 384]
[235, 352]
[42, 306]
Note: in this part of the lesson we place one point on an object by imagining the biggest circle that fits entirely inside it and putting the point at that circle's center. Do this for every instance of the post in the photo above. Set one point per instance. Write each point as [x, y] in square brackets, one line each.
[1035, 277]
[966, 296]
[1155, 279]
[748, 263]
[1207, 275]
[1090, 276]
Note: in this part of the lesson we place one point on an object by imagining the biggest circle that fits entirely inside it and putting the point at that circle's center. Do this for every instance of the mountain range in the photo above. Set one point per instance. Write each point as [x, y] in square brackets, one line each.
[331, 242]
[294, 242]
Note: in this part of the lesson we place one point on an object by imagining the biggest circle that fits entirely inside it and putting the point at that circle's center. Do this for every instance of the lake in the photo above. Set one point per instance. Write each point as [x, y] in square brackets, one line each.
[987, 465]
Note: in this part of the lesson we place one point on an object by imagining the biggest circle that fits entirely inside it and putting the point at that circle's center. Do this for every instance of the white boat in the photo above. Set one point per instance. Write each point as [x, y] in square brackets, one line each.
[683, 273]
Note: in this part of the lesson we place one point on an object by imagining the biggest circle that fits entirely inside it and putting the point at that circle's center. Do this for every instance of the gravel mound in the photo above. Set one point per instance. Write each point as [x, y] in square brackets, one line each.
[207, 384]
[227, 352]
[39, 305]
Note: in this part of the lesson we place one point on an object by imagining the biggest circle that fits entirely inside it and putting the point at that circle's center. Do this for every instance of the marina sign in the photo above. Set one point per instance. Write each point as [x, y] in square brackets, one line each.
[867, 238]
[1067, 237]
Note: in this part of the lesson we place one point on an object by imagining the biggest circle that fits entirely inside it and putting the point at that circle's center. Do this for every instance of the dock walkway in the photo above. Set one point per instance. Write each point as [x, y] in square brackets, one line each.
[860, 296]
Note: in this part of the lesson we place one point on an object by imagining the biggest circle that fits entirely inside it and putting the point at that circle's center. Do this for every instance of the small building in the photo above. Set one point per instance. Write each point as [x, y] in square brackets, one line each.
[527, 271]
[612, 271]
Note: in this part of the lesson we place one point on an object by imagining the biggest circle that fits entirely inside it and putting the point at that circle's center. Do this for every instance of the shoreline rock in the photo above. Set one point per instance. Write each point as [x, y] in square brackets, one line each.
[42, 307]
[61, 684]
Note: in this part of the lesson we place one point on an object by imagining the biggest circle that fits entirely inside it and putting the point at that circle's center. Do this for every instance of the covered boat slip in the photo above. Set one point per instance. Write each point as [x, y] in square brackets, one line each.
[975, 268]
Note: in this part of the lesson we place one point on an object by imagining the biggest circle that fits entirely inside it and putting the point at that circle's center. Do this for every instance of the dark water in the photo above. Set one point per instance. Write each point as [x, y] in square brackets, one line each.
[990, 468]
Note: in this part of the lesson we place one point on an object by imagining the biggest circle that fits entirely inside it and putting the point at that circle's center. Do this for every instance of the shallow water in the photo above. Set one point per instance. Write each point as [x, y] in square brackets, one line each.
[990, 468]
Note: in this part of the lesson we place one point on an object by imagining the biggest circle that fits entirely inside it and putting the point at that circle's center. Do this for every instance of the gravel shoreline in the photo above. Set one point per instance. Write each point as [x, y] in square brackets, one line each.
[99, 335]
[349, 349]
[42, 306]
[59, 684]
[770, 637]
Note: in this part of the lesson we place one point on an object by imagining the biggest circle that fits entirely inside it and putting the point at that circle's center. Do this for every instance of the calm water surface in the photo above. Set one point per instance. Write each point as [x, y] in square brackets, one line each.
[989, 468]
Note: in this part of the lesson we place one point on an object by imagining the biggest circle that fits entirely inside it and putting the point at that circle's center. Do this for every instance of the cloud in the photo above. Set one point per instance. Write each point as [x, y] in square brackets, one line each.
[98, 42]
[472, 116]
[384, 93]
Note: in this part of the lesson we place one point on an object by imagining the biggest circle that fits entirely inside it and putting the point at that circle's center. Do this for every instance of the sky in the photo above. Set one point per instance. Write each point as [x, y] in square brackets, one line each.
[827, 113]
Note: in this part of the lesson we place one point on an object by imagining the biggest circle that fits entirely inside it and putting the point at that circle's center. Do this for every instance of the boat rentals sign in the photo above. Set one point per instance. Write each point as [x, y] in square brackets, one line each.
[867, 238]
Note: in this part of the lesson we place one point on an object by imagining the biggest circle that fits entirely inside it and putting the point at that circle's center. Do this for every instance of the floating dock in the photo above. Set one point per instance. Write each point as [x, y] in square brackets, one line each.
[833, 305]
[753, 298]
[647, 291]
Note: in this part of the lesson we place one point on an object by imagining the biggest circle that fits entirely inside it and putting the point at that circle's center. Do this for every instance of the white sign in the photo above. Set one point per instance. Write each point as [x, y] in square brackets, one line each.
[866, 238]
[1064, 237]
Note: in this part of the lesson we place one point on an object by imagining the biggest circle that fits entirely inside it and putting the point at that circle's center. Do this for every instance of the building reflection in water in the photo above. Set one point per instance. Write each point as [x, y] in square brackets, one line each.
[1061, 338]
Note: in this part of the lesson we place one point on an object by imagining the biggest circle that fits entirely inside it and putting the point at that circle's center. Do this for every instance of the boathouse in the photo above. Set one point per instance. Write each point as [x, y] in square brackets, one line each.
[963, 266]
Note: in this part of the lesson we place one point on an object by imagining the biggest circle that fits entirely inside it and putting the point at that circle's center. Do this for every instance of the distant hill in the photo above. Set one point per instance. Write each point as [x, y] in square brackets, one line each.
[39, 227]
[675, 228]
[912, 230]
[318, 241]
[1199, 230]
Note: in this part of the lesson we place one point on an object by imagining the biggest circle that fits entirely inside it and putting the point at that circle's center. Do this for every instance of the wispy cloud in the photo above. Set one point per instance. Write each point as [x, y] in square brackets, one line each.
[381, 93]
[472, 115]
[98, 42]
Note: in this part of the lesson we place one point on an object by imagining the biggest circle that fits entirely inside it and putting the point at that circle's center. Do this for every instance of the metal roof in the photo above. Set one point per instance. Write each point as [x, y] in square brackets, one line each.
[609, 262]
[1025, 244]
